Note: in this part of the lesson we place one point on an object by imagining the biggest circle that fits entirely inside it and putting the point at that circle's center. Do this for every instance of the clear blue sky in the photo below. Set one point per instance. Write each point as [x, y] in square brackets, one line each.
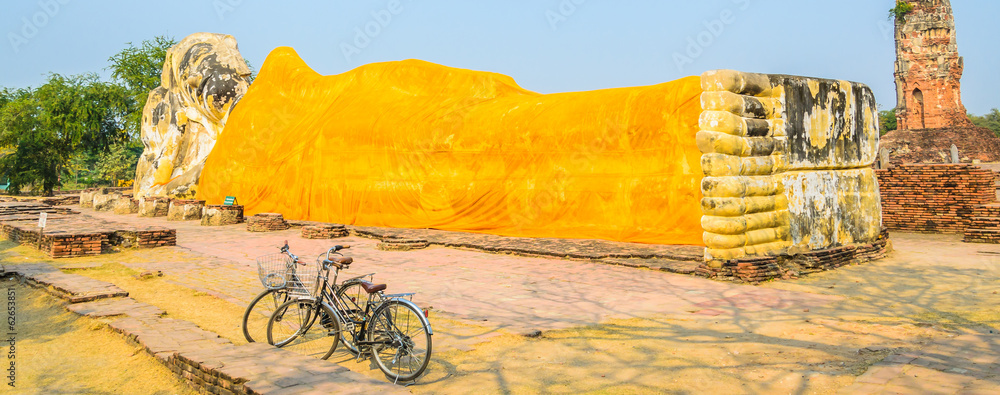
[592, 45]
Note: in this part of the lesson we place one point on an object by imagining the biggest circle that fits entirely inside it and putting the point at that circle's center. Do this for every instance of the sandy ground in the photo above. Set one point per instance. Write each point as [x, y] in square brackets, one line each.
[931, 287]
[59, 352]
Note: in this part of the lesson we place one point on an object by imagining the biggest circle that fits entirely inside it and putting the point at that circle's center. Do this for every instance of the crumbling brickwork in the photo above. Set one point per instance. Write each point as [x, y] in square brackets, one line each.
[928, 68]
[933, 198]
[266, 222]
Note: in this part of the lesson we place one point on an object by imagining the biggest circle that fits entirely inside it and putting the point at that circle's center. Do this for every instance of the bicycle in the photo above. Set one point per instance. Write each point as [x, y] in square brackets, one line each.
[275, 271]
[390, 329]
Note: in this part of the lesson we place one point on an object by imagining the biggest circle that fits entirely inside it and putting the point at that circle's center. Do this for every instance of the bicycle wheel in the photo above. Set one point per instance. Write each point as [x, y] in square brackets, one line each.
[301, 326]
[352, 301]
[259, 312]
[401, 340]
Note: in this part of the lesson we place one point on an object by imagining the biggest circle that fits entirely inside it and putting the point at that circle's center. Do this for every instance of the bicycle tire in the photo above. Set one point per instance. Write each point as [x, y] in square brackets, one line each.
[259, 311]
[301, 326]
[400, 339]
[352, 300]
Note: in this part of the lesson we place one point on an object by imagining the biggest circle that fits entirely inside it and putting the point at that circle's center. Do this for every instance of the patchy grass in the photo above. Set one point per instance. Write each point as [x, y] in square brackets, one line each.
[206, 311]
[61, 352]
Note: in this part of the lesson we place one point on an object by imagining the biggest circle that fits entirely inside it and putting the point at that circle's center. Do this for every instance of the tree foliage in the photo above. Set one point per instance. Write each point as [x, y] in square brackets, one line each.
[118, 163]
[887, 121]
[990, 121]
[80, 124]
[900, 10]
[138, 70]
[45, 126]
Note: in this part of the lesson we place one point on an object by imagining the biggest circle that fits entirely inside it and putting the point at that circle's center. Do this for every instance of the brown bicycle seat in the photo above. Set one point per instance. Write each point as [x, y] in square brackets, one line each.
[372, 288]
[339, 263]
[343, 260]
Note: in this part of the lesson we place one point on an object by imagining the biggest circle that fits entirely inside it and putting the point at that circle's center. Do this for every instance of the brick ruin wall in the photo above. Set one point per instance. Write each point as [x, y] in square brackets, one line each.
[928, 68]
[69, 234]
[324, 231]
[266, 222]
[934, 198]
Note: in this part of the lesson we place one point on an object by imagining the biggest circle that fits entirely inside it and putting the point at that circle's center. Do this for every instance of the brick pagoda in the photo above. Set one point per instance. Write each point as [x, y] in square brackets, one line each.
[929, 110]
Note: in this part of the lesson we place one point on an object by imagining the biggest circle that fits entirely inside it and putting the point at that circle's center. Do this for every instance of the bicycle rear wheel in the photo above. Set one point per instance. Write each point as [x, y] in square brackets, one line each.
[259, 311]
[304, 327]
[352, 300]
[401, 340]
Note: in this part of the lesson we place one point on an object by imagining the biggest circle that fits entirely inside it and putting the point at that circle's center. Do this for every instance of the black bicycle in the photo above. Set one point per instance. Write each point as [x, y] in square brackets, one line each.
[390, 329]
[275, 271]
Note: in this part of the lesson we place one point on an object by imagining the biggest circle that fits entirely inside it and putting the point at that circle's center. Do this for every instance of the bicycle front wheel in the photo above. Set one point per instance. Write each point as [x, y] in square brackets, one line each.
[259, 311]
[304, 327]
[400, 339]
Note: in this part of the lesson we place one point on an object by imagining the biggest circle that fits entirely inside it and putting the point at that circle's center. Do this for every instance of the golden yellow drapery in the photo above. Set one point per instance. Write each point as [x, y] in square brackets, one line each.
[418, 145]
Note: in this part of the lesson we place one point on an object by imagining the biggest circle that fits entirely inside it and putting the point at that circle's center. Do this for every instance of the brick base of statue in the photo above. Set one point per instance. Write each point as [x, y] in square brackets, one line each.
[324, 231]
[759, 269]
[266, 222]
[156, 206]
[185, 210]
[220, 215]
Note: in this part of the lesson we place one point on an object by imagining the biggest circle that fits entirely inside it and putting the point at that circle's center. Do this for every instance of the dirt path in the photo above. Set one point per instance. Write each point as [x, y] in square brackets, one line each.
[60, 352]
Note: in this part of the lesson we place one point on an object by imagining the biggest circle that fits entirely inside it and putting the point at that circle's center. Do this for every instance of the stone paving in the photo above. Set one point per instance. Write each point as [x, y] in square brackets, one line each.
[204, 359]
[965, 364]
[471, 285]
[73, 288]
[495, 290]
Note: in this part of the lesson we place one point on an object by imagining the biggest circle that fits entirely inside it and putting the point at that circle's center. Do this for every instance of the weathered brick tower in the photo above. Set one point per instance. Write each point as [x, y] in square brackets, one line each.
[929, 110]
[928, 68]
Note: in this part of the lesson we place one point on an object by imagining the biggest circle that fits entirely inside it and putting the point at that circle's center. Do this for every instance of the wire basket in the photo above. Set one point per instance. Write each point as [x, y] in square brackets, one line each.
[275, 270]
[301, 282]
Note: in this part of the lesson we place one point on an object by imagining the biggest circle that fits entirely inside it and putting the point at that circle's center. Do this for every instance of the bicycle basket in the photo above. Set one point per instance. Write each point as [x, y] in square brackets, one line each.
[302, 281]
[275, 270]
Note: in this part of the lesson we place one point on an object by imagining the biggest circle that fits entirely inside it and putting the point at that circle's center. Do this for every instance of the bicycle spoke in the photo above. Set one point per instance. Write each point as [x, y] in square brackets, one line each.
[403, 348]
[306, 328]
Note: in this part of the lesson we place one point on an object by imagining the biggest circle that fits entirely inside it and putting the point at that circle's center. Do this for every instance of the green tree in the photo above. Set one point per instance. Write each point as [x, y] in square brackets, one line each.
[990, 121]
[887, 121]
[47, 125]
[118, 163]
[138, 69]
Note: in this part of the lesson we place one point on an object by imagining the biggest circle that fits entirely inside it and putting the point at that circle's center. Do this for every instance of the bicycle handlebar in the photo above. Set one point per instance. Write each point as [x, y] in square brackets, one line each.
[284, 250]
[334, 249]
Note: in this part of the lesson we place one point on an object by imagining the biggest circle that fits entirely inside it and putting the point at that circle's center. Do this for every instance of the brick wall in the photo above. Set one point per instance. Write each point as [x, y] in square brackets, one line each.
[985, 226]
[73, 245]
[324, 231]
[933, 198]
[266, 222]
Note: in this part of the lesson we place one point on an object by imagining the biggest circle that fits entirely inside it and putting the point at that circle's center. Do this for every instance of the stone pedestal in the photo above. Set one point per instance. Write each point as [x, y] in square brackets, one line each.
[126, 205]
[105, 201]
[219, 215]
[154, 206]
[266, 222]
[185, 210]
[324, 231]
[87, 196]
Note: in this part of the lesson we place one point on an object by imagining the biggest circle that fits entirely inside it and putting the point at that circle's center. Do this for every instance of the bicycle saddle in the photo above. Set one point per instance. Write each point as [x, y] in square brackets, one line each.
[372, 288]
[340, 263]
[343, 260]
